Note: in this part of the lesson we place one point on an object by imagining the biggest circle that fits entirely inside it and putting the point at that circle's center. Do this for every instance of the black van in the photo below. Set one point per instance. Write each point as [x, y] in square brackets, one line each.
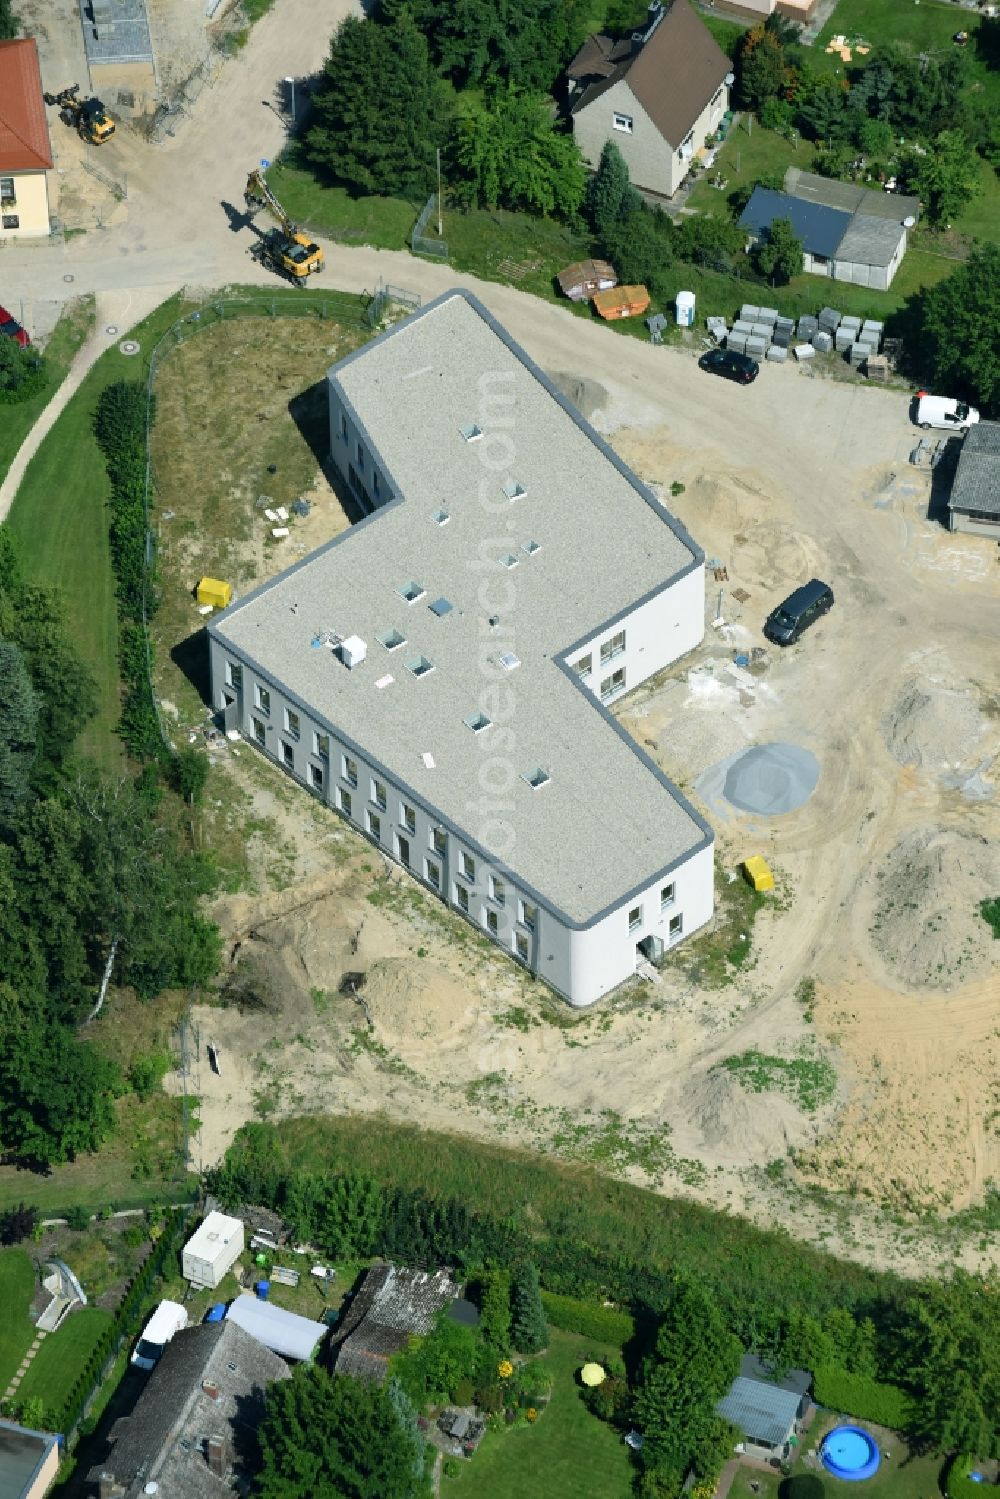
[801, 609]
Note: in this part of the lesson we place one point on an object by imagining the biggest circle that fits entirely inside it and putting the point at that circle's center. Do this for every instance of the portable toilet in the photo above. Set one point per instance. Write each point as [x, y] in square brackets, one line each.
[213, 591]
[684, 309]
[758, 872]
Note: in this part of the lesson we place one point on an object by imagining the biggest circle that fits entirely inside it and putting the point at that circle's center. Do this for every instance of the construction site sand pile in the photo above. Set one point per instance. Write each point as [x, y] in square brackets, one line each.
[774, 555]
[934, 727]
[738, 1127]
[926, 920]
[409, 1002]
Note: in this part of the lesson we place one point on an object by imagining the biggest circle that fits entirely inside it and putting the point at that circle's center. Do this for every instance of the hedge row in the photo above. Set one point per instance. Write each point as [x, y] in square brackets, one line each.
[867, 1399]
[605, 1323]
[120, 429]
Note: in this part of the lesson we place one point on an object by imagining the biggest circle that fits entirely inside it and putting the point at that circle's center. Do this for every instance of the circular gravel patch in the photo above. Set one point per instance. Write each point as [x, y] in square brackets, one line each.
[771, 779]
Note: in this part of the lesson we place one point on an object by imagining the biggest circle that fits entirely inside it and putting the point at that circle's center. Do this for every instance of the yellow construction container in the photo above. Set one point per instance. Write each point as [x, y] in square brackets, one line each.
[211, 591]
[758, 872]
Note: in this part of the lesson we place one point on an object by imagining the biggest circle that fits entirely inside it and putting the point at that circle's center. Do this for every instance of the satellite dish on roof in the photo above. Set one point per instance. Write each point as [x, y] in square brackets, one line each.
[909, 221]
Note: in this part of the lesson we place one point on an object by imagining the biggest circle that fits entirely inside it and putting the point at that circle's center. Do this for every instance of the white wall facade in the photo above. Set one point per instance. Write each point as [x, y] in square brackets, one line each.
[654, 163]
[24, 205]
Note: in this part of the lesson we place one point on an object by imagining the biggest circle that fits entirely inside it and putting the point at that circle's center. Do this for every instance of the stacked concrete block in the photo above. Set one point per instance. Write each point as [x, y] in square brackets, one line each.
[822, 341]
[776, 354]
[857, 354]
[741, 326]
[757, 347]
[764, 331]
[748, 313]
[784, 325]
[717, 328]
[737, 342]
[829, 319]
[871, 333]
[804, 351]
[807, 327]
[853, 323]
[767, 315]
[843, 338]
[782, 338]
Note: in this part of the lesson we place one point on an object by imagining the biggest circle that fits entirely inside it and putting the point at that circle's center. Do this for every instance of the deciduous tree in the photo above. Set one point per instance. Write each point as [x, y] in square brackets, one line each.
[18, 732]
[510, 154]
[56, 1095]
[779, 255]
[9, 23]
[761, 68]
[946, 176]
[958, 347]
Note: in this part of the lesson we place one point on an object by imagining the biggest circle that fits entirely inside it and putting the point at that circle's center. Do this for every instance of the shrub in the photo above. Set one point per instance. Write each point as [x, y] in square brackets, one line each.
[134, 1235]
[958, 1484]
[17, 1224]
[78, 1218]
[463, 1393]
[857, 1395]
[590, 1321]
[609, 1401]
[147, 1073]
[490, 1396]
[802, 1486]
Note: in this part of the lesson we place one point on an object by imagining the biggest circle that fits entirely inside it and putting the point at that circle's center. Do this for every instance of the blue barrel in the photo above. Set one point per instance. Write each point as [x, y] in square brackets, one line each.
[263, 1289]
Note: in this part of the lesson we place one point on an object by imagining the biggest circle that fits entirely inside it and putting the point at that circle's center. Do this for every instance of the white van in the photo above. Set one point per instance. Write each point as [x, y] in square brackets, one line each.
[939, 411]
[168, 1318]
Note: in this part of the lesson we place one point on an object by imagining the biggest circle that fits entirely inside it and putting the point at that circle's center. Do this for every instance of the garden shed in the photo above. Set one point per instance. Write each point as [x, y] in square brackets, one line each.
[974, 502]
[212, 1250]
[583, 278]
[766, 1411]
[393, 1304]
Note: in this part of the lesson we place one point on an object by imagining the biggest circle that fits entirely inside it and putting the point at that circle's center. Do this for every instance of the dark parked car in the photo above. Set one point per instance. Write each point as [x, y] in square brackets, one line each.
[729, 364]
[801, 609]
[12, 328]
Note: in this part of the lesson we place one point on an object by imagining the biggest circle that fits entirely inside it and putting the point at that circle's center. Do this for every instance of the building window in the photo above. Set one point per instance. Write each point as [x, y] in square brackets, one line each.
[717, 97]
[583, 666]
[439, 842]
[379, 795]
[676, 927]
[7, 192]
[11, 221]
[316, 777]
[343, 427]
[613, 647]
[433, 873]
[492, 922]
[344, 802]
[498, 889]
[462, 898]
[258, 730]
[403, 850]
[521, 946]
[528, 915]
[467, 864]
[263, 699]
[376, 484]
[667, 896]
[635, 918]
[613, 684]
[287, 756]
[234, 674]
[321, 746]
[375, 826]
[408, 817]
[361, 459]
[293, 728]
[622, 122]
[349, 770]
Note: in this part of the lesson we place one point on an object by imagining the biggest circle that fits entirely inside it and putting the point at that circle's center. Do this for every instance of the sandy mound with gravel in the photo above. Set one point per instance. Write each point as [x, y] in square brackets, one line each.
[740, 1128]
[925, 922]
[773, 554]
[934, 727]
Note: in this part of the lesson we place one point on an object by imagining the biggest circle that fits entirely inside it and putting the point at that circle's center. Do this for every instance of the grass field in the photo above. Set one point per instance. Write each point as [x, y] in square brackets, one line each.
[568, 1451]
[905, 1475]
[69, 333]
[336, 213]
[58, 1362]
[17, 1286]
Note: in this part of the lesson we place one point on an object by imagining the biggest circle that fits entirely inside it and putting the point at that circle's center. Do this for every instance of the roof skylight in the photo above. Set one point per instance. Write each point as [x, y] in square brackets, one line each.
[471, 433]
[419, 666]
[391, 640]
[531, 547]
[477, 722]
[509, 661]
[441, 607]
[536, 778]
[441, 517]
[411, 591]
[509, 560]
[513, 490]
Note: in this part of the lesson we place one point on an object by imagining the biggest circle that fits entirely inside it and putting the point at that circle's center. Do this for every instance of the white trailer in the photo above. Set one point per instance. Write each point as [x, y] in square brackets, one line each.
[168, 1318]
[212, 1250]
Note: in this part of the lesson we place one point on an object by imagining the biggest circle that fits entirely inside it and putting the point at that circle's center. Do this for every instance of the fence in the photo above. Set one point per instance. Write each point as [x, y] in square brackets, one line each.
[117, 189]
[383, 296]
[420, 243]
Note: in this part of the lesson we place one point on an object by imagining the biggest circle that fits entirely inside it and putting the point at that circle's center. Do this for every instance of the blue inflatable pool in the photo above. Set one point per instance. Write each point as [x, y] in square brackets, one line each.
[850, 1453]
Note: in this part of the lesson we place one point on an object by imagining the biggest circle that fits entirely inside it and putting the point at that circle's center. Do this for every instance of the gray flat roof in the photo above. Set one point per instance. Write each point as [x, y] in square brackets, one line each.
[870, 241]
[607, 821]
[874, 203]
[764, 1412]
[115, 31]
[21, 1454]
[976, 485]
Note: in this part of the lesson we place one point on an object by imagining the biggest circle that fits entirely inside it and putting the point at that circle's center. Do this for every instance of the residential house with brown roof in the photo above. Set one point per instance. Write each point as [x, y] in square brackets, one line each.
[658, 95]
[25, 152]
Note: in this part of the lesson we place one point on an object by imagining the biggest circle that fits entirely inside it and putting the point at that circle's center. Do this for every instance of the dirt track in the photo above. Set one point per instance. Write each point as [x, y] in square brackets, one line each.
[794, 476]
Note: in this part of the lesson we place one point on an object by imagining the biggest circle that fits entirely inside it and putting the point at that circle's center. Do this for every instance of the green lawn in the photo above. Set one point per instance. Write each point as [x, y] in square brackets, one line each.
[58, 1362]
[568, 1452]
[69, 333]
[17, 1286]
[332, 211]
[905, 1475]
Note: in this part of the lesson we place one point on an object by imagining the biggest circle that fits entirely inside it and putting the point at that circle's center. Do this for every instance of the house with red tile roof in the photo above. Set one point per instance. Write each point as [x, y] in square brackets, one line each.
[658, 94]
[25, 152]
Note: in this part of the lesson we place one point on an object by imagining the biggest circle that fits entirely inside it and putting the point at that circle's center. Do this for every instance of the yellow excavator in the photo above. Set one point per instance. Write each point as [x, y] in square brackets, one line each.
[92, 121]
[283, 247]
